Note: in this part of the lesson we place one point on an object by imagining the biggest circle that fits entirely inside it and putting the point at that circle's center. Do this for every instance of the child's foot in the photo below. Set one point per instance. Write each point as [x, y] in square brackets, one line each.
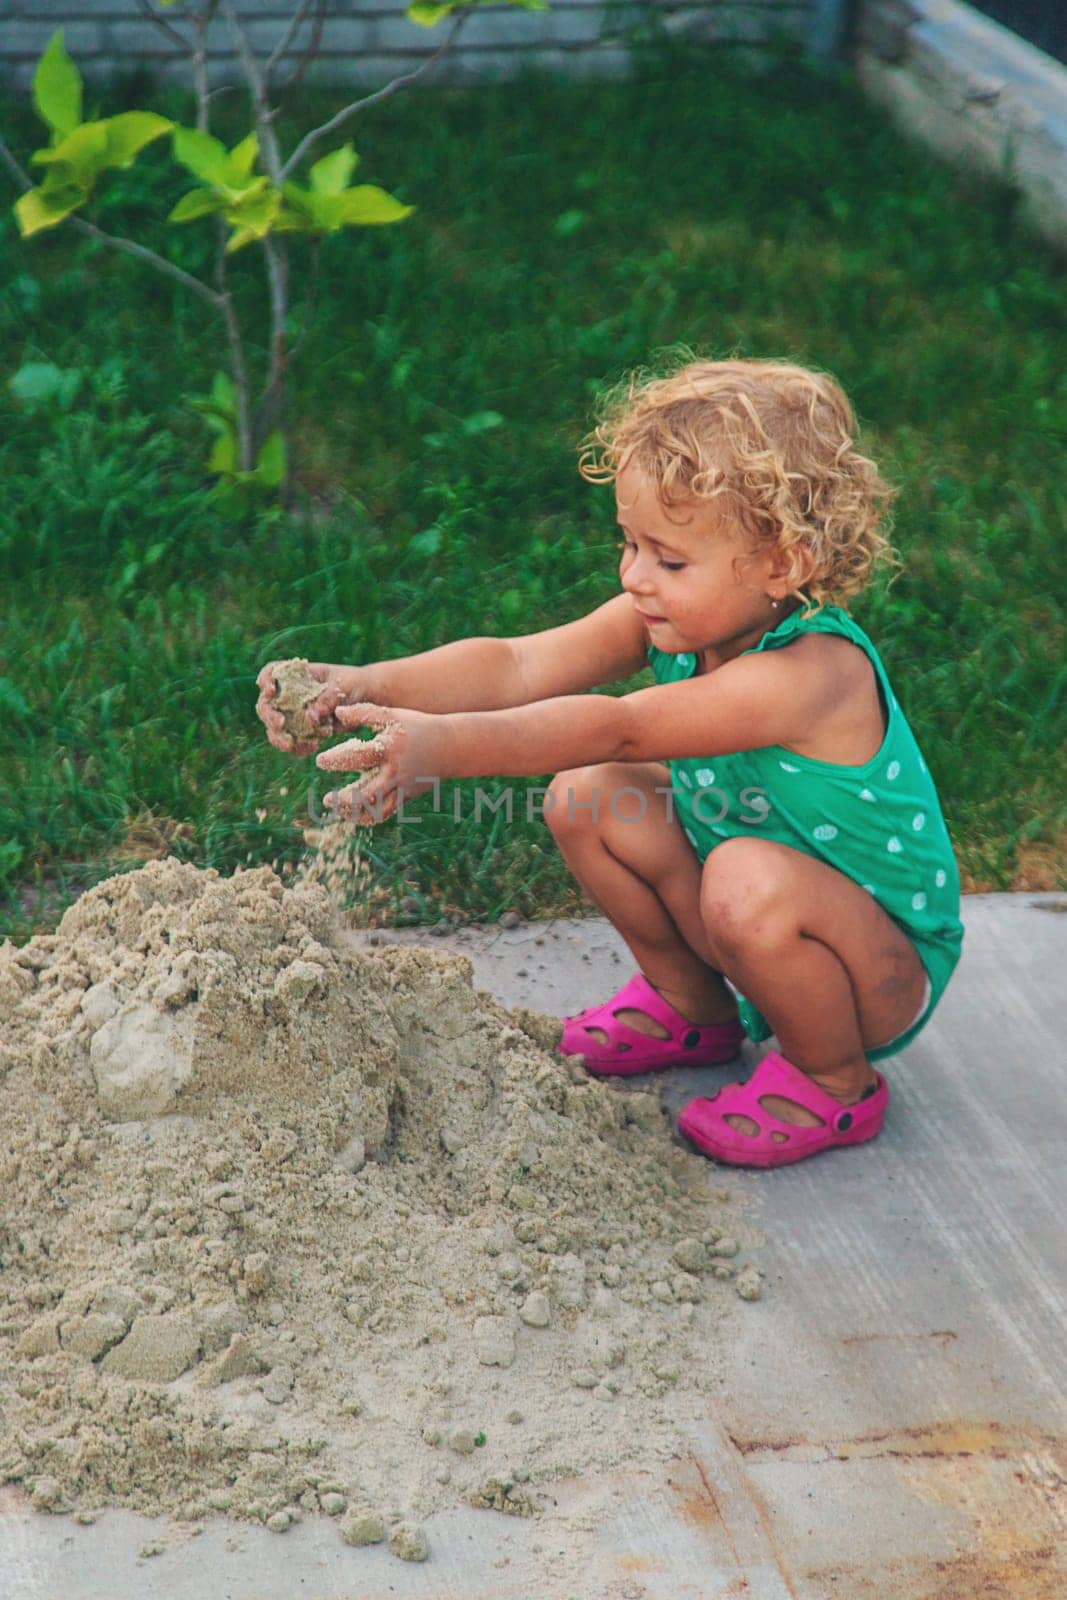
[699, 1011]
[720, 1125]
[848, 1093]
[659, 1036]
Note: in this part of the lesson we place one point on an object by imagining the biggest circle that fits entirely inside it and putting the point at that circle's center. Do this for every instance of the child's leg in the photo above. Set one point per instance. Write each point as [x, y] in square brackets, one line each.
[830, 970]
[633, 859]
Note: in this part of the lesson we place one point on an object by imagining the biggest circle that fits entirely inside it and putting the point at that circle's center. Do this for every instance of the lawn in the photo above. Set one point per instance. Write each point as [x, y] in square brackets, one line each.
[563, 234]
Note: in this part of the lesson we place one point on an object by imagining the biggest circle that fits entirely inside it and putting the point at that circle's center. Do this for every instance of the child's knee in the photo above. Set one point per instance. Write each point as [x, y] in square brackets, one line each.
[740, 892]
[575, 800]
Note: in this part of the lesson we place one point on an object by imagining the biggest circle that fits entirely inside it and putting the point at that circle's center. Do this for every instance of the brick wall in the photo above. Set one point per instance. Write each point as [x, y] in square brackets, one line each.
[367, 43]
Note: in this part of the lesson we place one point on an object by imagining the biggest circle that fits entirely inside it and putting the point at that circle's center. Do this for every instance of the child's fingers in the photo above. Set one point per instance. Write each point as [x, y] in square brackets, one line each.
[324, 706]
[364, 715]
[266, 682]
[365, 805]
[274, 723]
[355, 755]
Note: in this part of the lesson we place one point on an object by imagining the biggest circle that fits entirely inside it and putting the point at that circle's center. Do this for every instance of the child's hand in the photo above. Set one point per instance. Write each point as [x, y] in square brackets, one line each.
[338, 685]
[404, 758]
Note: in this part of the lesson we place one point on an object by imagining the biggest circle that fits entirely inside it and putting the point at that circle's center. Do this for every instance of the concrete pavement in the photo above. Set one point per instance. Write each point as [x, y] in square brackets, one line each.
[892, 1419]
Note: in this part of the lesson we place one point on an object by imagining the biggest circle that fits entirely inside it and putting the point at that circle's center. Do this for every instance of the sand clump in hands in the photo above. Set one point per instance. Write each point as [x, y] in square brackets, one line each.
[290, 1228]
[296, 689]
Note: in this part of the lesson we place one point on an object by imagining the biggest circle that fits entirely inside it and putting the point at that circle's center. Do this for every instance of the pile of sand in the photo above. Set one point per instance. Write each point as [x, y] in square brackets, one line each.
[288, 1227]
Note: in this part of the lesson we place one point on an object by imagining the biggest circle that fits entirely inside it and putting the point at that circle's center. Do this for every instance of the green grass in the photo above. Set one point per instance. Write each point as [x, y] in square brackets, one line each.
[563, 233]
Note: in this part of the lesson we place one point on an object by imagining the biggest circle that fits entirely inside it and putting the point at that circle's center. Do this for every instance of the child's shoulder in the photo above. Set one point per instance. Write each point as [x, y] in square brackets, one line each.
[855, 718]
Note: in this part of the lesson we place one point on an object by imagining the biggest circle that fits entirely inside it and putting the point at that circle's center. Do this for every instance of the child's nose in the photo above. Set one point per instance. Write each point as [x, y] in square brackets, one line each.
[635, 578]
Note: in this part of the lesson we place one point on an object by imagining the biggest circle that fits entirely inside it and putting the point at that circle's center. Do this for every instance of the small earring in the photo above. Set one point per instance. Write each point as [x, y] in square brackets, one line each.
[776, 603]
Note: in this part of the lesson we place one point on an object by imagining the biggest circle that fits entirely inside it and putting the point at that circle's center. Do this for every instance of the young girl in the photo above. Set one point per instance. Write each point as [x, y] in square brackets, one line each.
[760, 826]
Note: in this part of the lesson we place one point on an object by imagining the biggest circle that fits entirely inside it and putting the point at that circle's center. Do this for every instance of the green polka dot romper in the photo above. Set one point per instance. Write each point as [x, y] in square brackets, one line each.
[880, 823]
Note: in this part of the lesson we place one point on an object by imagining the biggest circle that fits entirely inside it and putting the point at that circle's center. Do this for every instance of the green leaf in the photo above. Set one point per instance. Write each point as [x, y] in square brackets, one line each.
[252, 217]
[219, 408]
[224, 393]
[294, 222]
[302, 213]
[197, 203]
[80, 150]
[12, 699]
[426, 13]
[36, 210]
[241, 160]
[334, 172]
[129, 132]
[223, 457]
[326, 210]
[57, 89]
[203, 156]
[366, 205]
[270, 463]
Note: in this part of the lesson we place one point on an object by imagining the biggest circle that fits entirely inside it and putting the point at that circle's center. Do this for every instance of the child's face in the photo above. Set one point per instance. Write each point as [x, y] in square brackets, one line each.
[692, 576]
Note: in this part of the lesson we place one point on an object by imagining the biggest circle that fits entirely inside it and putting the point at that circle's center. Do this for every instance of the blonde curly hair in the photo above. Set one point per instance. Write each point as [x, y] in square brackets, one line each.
[775, 441]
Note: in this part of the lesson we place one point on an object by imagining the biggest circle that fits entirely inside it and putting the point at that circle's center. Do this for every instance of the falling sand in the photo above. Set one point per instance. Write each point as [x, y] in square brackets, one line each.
[290, 1228]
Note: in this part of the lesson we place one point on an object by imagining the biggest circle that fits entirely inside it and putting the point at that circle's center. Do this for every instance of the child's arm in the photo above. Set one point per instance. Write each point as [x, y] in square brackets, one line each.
[485, 674]
[480, 674]
[756, 700]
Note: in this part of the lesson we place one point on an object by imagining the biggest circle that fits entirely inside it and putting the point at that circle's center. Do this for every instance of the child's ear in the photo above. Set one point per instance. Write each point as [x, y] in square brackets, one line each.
[798, 568]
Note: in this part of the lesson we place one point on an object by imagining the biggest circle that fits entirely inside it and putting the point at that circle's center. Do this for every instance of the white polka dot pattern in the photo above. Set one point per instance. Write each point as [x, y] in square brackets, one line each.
[799, 797]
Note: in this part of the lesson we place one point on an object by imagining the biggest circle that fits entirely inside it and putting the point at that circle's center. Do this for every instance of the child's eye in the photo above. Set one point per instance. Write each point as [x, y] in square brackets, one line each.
[668, 566]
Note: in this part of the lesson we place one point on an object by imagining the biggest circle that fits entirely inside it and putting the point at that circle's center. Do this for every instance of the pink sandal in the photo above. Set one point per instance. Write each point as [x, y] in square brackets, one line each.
[628, 1051]
[704, 1121]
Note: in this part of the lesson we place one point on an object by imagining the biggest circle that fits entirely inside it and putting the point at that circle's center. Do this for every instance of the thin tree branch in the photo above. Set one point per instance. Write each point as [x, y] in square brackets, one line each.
[271, 403]
[258, 91]
[127, 246]
[295, 24]
[229, 314]
[312, 138]
[269, 408]
[237, 354]
[311, 50]
[200, 75]
[165, 27]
